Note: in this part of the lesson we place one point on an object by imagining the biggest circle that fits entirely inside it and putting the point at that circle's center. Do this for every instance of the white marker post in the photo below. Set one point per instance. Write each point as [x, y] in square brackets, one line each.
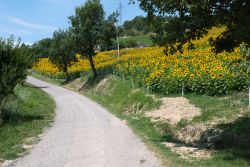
[117, 29]
[182, 90]
[148, 89]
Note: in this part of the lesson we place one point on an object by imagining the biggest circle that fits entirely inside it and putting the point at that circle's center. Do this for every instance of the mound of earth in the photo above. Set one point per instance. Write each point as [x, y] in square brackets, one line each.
[174, 109]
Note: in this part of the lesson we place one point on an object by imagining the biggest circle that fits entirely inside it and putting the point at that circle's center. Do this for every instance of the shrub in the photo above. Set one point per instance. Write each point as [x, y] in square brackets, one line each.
[13, 65]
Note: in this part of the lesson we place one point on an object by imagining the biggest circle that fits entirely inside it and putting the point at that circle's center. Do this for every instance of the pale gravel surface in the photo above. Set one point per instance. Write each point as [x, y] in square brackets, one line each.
[84, 134]
[174, 110]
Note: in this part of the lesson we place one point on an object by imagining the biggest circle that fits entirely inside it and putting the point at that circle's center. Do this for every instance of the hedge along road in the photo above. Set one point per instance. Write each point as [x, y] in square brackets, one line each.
[84, 134]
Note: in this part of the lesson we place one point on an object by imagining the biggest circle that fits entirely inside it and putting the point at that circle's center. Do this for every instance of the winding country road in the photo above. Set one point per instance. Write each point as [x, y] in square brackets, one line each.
[84, 134]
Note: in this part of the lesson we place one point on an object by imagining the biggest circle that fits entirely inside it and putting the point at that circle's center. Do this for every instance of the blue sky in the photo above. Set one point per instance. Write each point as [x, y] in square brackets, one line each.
[33, 20]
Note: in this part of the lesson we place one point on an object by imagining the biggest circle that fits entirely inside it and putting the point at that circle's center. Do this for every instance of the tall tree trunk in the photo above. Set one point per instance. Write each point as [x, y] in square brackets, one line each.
[93, 66]
[66, 72]
[67, 76]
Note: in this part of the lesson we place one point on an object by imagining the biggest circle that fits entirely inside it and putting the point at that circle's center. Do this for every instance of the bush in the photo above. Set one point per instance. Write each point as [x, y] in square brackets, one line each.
[13, 65]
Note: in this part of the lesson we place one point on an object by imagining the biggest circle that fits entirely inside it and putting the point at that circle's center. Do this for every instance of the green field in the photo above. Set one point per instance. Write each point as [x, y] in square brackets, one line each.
[142, 39]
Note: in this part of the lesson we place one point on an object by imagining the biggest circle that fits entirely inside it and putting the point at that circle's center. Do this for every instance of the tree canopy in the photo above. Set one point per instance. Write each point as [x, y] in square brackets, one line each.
[192, 20]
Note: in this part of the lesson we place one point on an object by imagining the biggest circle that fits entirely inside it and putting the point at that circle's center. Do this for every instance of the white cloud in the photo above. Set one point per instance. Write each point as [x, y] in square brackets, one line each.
[28, 43]
[15, 31]
[27, 24]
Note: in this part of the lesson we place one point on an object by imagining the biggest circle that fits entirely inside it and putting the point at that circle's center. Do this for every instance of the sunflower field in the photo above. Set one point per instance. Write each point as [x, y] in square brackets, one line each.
[199, 70]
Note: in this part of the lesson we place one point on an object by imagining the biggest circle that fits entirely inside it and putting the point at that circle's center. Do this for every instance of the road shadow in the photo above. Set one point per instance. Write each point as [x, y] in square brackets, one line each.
[32, 86]
[12, 118]
[39, 87]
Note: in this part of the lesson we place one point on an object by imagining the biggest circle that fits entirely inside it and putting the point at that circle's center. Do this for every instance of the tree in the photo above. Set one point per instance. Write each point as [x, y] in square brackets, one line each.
[137, 26]
[88, 28]
[62, 50]
[27, 50]
[41, 48]
[13, 66]
[192, 20]
[109, 32]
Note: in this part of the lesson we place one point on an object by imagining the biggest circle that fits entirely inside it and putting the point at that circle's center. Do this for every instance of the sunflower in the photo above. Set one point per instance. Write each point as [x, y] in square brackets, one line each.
[220, 75]
[198, 73]
[179, 74]
[192, 76]
[173, 73]
[213, 75]
[184, 74]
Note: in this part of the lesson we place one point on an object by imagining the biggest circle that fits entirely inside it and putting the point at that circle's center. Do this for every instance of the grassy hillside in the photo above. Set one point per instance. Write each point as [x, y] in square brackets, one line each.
[24, 116]
[141, 39]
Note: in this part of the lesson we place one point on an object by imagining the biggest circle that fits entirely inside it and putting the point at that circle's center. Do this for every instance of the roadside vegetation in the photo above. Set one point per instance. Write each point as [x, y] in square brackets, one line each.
[25, 115]
[131, 104]
[24, 110]
[221, 127]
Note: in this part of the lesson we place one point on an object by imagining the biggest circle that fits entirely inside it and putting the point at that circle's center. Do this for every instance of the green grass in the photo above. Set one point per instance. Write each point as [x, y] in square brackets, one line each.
[50, 80]
[24, 116]
[143, 39]
[225, 107]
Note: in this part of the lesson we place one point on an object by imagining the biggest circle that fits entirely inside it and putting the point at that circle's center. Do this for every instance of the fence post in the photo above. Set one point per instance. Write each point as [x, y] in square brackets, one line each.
[148, 89]
[133, 84]
[182, 90]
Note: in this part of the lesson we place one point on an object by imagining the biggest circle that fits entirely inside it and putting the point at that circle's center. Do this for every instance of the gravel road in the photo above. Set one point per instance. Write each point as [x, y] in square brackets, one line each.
[85, 134]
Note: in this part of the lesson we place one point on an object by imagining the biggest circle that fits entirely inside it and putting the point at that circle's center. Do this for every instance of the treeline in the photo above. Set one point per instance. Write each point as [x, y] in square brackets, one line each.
[138, 31]
[138, 26]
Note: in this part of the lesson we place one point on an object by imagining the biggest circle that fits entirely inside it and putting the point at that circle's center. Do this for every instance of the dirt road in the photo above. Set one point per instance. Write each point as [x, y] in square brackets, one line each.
[84, 134]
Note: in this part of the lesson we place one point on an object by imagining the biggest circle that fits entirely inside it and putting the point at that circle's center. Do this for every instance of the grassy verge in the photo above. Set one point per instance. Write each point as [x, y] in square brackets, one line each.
[24, 116]
[44, 78]
[130, 103]
[225, 107]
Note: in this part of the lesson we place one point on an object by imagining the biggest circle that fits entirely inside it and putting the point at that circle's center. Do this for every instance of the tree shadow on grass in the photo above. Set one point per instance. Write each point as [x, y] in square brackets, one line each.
[230, 139]
[12, 118]
[32, 86]
[234, 138]
[93, 81]
[38, 87]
